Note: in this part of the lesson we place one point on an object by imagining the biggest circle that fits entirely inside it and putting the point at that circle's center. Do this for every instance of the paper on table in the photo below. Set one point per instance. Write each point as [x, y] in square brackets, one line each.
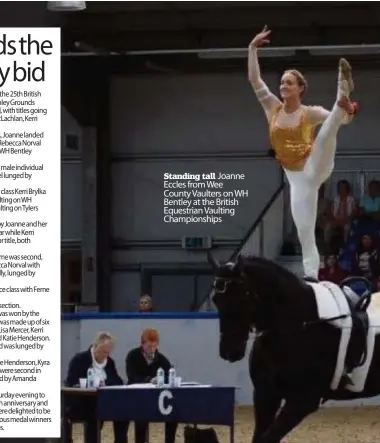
[137, 385]
[114, 387]
[151, 385]
[141, 386]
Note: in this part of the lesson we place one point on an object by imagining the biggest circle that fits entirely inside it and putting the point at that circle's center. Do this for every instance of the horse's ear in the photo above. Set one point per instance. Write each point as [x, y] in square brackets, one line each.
[212, 260]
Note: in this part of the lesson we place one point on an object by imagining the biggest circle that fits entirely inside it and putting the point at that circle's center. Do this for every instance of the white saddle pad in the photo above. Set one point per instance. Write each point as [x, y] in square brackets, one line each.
[332, 302]
[359, 375]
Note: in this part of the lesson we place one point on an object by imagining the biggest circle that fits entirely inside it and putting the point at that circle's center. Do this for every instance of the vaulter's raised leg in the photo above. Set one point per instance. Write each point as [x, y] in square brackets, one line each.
[321, 161]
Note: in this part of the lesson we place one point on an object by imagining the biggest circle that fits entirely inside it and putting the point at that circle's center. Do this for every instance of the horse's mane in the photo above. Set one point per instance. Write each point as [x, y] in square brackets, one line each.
[282, 290]
[251, 261]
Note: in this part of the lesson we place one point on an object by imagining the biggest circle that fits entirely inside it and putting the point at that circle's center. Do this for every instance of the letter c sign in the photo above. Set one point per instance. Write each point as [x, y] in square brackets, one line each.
[165, 410]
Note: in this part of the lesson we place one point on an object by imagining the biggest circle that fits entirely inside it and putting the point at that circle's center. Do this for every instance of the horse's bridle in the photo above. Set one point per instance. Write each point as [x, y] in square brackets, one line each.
[222, 289]
[224, 281]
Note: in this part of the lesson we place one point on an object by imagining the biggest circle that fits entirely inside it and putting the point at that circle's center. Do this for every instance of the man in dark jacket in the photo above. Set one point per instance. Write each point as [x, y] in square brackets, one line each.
[142, 364]
[83, 407]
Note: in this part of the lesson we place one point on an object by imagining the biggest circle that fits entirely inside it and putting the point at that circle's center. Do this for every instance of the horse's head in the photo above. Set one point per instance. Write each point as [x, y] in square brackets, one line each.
[232, 300]
[256, 292]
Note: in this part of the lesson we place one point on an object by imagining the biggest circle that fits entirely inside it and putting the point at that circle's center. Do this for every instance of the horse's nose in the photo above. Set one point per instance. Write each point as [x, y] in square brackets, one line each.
[235, 355]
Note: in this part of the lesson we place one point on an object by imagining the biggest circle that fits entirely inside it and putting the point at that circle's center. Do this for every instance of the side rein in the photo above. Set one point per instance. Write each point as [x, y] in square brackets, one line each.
[358, 311]
[364, 299]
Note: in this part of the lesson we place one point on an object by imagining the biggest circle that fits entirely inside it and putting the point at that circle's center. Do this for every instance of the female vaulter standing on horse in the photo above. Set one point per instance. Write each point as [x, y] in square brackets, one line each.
[307, 160]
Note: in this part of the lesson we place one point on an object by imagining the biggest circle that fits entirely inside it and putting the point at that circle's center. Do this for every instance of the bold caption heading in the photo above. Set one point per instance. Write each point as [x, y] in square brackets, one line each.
[20, 70]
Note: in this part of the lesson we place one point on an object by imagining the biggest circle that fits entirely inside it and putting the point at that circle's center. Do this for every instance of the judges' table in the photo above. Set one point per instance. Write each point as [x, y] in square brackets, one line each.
[198, 404]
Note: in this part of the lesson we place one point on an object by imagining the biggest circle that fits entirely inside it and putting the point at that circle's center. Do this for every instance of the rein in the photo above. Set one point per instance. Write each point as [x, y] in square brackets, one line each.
[222, 286]
[295, 329]
[305, 324]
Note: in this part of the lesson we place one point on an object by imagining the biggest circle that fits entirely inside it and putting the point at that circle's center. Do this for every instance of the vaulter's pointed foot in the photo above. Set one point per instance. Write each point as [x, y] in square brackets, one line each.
[345, 74]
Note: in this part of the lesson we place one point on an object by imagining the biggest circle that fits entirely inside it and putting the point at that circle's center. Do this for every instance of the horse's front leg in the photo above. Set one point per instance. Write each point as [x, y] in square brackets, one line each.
[291, 415]
[266, 405]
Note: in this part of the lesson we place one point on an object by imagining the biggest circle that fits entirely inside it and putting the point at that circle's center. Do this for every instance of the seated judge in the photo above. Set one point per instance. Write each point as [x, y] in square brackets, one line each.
[142, 364]
[83, 407]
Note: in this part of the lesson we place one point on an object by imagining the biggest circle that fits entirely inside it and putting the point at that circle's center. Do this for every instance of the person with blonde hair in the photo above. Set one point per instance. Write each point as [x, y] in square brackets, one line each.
[307, 160]
[83, 407]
